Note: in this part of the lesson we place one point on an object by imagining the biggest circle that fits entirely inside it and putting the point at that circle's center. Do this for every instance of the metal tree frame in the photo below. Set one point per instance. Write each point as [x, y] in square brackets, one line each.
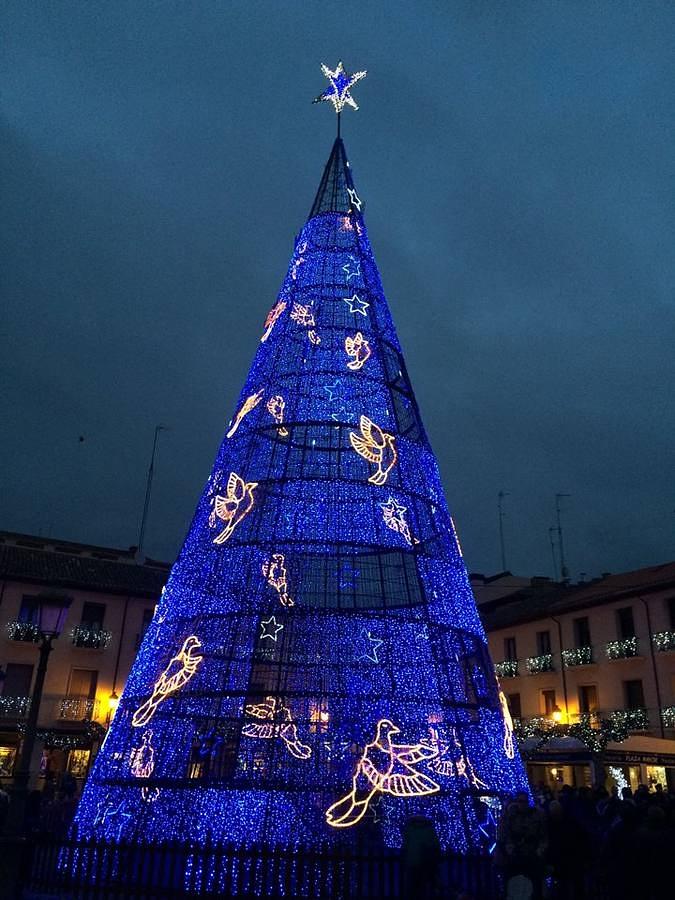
[378, 620]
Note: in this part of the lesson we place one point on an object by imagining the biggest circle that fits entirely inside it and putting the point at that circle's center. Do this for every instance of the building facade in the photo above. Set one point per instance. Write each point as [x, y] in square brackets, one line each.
[593, 652]
[112, 599]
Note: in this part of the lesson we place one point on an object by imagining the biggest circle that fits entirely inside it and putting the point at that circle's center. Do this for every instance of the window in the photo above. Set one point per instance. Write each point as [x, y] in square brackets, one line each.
[510, 648]
[634, 694]
[548, 702]
[78, 763]
[514, 705]
[625, 624]
[92, 616]
[18, 680]
[29, 610]
[83, 684]
[582, 632]
[588, 698]
[543, 643]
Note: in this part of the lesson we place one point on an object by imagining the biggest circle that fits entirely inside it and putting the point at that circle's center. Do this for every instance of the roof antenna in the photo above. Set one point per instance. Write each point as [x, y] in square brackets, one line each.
[501, 513]
[564, 572]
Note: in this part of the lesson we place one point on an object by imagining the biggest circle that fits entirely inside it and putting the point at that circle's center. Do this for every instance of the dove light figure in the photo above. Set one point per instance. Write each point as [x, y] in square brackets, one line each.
[385, 768]
[276, 722]
[180, 670]
[377, 447]
[358, 349]
[233, 506]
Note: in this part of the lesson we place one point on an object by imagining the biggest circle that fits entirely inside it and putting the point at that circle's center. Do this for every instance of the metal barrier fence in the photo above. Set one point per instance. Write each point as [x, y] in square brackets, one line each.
[88, 870]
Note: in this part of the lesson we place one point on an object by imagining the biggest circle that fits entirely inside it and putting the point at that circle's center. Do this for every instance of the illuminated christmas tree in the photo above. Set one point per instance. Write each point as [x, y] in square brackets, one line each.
[315, 670]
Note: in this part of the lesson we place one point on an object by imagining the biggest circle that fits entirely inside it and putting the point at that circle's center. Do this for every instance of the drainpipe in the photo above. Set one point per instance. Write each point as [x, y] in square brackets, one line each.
[654, 667]
[119, 644]
[562, 667]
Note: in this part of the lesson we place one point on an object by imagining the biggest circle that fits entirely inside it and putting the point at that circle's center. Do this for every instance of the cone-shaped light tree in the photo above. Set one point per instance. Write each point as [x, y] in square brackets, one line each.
[316, 670]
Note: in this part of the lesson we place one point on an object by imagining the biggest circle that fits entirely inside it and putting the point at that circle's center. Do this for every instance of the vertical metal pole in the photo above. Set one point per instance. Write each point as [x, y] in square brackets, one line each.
[148, 490]
[500, 499]
[564, 573]
[551, 532]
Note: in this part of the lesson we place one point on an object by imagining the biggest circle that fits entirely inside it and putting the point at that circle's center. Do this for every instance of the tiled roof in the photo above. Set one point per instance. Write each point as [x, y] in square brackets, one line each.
[540, 601]
[65, 570]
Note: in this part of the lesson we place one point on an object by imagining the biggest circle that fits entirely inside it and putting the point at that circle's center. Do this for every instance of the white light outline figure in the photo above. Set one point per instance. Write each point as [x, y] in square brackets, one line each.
[170, 681]
[272, 632]
[393, 515]
[249, 404]
[454, 531]
[142, 758]
[340, 85]
[332, 391]
[375, 446]
[509, 748]
[444, 764]
[277, 722]
[375, 644]
[299, 261]
[354, 199]
[274, 571]
[313, 337]
[271, 320]
[275, 407]
[303, 315]
[491, 821]
[358, 348]
[357, 305]
[347, 268]
[395, 776]
[111, 812]
[230, 507]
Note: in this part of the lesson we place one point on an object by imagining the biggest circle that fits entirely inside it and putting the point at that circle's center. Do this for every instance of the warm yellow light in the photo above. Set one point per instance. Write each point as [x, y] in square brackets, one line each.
[556, 714]
[113, 702]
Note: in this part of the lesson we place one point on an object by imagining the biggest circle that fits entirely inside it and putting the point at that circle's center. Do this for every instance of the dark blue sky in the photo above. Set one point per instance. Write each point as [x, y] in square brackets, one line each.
[517, 164]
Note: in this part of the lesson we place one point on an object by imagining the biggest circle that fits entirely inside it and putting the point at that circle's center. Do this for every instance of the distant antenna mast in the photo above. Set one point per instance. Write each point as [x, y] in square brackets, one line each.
[564, 572]
[148, 491]
[551, 532]
[501, 513]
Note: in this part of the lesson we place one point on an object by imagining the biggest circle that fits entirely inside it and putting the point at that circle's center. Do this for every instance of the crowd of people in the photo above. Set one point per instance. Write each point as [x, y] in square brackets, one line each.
[587, 843]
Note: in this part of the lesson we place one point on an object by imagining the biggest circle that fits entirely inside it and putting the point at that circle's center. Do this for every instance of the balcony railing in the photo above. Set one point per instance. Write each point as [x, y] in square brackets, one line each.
[664, 640]
[623, 649]
[23, 631]
[668, 717]
[580, 656]
[633, 719]
[78, 708]
[13, 707]
[508, 668]
[91, 638]
[537, 664]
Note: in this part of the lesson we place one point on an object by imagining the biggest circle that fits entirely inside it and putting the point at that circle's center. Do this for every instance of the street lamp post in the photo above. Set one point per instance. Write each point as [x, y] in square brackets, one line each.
[52, 612]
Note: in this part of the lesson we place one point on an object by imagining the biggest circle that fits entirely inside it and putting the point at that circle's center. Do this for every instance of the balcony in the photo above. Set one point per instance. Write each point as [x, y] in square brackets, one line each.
[507, 669]
[580, 656]
[89, 637]
[632, 719]
[664, 640]
[623, 649]
[538, 664]
[78, 709]
[668, 717]
[14, 707]
[23, 631]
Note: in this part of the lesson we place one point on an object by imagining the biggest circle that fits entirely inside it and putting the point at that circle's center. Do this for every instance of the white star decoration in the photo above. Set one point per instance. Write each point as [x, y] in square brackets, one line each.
[354, 199]
[351, 268]
[270, 629]
[356, 305]
[374, 645]
[340, 84]
[332, 391]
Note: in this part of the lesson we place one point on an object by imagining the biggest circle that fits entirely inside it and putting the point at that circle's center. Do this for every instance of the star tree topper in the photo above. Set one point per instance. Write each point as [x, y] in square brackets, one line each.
[340, 83]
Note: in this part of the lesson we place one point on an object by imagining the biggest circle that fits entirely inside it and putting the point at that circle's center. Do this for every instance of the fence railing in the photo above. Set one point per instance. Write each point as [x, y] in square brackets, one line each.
[87, 870]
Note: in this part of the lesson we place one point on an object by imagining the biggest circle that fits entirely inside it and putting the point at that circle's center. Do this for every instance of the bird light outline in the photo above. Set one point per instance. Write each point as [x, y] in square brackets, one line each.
[236, 491]
[276, 575]
[371, 445]
[358, 348]
[271, 320]
[411, 784]
[275, 407]
[509, 748]
[249, 404]
[164, 686]
[286, 729]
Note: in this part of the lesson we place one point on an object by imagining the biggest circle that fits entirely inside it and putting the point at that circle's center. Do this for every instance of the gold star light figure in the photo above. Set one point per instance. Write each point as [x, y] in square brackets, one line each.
[340, 84]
